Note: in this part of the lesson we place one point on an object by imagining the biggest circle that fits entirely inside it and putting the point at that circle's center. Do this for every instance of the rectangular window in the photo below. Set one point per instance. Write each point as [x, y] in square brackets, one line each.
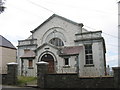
[66, 61]
[26, 50]
[88, 54]
[30, 63]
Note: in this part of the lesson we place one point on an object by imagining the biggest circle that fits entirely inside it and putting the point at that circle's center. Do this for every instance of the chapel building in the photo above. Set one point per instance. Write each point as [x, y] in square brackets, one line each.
[66, 46]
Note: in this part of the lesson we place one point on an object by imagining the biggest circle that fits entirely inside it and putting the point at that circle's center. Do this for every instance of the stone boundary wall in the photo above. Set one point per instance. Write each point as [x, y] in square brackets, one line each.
[73, 81]
[0, 81]
[116, 77]
[11, 77]
[4, 79]
[46, 80]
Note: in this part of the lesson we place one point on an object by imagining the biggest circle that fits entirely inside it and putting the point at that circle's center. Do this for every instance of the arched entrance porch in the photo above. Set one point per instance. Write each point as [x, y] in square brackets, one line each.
[49, 58]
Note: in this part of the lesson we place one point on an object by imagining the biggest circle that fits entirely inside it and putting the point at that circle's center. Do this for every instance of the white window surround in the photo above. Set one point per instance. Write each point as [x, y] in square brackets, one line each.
[88, 54]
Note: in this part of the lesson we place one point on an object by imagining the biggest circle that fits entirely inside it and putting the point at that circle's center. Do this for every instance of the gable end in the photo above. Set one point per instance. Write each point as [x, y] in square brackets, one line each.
[55, 15]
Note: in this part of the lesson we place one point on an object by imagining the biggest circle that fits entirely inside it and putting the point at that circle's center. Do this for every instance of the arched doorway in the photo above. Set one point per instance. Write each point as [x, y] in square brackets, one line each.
[49, 58]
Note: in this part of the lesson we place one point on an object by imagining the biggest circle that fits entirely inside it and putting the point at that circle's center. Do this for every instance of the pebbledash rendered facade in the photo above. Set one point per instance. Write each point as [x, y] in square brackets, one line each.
[66, 46]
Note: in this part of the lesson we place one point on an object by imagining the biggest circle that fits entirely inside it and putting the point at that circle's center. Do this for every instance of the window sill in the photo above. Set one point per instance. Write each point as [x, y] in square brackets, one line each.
[66, 66]
[89, 65]
[30, 68]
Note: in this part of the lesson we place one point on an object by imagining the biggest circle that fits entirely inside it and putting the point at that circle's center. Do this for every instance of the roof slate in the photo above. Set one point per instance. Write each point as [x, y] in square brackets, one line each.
[5, 43]
[73, 50]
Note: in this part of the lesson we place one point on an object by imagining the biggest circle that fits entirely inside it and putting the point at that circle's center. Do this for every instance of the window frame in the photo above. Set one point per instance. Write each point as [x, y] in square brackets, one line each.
[66, 61]
[56, 42]
[30, 64]
[88, 54]
[26, 50]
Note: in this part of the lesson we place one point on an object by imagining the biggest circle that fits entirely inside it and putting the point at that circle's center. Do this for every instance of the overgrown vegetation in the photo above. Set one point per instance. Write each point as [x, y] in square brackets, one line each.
[22, 80]
[2, 7]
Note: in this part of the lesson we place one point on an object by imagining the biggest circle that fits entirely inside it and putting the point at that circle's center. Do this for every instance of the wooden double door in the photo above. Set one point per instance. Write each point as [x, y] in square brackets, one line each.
[49, 58]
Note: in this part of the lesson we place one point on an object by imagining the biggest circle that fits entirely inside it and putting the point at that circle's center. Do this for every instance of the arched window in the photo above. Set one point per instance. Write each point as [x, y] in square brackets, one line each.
[56, 42]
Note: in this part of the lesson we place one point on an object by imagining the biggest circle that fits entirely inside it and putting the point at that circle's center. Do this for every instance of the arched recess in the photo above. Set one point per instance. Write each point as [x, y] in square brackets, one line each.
[56, 42]
[51, 59]
[55, 32]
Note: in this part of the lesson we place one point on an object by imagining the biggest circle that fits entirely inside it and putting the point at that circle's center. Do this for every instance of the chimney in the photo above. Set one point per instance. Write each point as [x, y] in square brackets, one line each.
[80, 29]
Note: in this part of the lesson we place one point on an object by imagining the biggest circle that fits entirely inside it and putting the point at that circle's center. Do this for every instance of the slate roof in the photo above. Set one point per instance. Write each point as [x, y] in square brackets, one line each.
[5, 43]
[73, 50]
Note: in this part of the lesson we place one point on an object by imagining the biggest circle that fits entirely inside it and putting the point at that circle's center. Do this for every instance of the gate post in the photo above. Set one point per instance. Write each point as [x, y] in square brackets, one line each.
[12, 73]
[116, 71]
[42, 68]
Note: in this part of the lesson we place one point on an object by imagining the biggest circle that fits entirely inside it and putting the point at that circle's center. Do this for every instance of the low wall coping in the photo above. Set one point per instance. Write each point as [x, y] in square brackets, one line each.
[62, 74]
[12, 63]
[96, 77]
[115, 68]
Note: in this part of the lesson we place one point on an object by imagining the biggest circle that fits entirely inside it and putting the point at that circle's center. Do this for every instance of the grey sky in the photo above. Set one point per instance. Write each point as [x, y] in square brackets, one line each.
[21, 17]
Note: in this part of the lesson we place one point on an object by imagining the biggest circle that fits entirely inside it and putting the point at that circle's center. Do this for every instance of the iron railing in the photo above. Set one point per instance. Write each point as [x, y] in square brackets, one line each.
[91, 71]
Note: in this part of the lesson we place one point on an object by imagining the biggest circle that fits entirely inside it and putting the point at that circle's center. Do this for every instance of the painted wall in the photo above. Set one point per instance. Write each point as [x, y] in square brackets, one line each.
[29, 71]
[58, 61]
[97, 69]
[7, 55]
[20, 52]
[66, 31]
[69, 30]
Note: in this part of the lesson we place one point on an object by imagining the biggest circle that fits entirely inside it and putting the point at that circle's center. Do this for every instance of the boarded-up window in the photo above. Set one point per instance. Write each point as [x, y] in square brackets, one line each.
[30, 63]
[26, 50]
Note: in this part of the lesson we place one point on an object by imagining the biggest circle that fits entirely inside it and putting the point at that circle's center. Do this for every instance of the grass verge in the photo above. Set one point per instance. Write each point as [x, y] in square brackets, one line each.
[22, 80]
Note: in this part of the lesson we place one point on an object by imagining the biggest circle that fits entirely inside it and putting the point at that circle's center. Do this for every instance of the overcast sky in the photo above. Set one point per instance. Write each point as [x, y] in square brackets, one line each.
[22, 16]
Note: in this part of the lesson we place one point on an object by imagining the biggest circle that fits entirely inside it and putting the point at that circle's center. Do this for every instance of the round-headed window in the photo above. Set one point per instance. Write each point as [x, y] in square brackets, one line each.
[56, 42]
